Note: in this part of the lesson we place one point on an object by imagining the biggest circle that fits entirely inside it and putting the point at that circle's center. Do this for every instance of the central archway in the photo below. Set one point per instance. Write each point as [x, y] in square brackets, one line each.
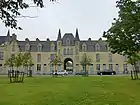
[68, 65]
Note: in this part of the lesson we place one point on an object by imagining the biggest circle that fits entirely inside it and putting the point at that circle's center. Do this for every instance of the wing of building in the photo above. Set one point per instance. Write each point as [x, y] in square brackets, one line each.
[69, 48]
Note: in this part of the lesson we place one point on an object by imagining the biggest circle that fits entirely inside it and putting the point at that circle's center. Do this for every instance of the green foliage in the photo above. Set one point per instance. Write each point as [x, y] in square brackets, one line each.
[10, 61]
[124, 35]
[27, 60]
[18, 60]
[56, 60]
[86, 60]
[134, 59]
[10, 10]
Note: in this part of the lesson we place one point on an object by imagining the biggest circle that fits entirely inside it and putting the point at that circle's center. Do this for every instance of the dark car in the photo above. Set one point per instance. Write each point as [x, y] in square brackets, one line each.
[81, 73]
[106, 73]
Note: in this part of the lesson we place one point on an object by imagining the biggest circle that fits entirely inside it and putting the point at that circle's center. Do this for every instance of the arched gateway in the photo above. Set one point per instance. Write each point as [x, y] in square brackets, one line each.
[68, 65]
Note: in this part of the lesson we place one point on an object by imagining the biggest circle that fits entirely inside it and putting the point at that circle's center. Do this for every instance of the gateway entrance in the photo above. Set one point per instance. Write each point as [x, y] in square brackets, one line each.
[68, 65]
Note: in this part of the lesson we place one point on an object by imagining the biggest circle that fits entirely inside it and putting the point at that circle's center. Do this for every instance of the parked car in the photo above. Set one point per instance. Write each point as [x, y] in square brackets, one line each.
[106, 73]
[81, 73]
[63, 72]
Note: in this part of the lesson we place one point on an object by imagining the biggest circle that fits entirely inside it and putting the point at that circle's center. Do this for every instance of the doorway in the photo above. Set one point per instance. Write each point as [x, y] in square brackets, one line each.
[68, 65]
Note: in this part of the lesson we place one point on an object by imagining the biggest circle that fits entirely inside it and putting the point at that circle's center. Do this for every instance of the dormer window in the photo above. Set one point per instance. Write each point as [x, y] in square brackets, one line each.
[84, 48]
[27, 47]
[97, 47]
[68, 41]
[39, 48]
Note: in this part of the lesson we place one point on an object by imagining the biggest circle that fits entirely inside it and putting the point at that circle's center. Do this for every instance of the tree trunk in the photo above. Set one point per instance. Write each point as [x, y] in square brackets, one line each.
[136, 71]
[131, 74]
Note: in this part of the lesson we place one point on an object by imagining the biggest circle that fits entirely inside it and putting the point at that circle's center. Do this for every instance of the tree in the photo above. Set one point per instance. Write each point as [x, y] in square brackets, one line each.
[133, 60]
[124, 35]
[56, 61]
[86, 61]
[10, 62]
[27, 62]
[10, 10]
[18, 61]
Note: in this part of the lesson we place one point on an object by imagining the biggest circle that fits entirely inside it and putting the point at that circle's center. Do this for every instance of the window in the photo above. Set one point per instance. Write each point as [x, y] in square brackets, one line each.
[59, 51]
[27, 47]
[71, 51]
[59, 43]
[38, 57]
[1, 55]
[97, 57]
[125, 68]
[110, 67]
[84, 48]
[67, 41]
[39, 48]
[64, 51]
[117, 67]
[97, 47]
[124, 57]
[68, 51]
[38, 67]
[44, 64]
[110, 58]
[76, 51]
[104, 67]
[52, 57]
[97, 67]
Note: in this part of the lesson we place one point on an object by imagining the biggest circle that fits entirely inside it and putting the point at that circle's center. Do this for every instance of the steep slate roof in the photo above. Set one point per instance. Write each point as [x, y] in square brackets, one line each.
[33, 45]
[3, 39]
[59, 36]
[46, 45]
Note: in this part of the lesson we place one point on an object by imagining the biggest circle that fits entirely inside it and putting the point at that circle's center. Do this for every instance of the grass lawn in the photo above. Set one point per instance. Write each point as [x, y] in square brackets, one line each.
[98, 90]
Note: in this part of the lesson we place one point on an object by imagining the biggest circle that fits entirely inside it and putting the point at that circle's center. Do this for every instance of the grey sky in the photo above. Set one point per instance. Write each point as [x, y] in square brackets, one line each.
[91, 17]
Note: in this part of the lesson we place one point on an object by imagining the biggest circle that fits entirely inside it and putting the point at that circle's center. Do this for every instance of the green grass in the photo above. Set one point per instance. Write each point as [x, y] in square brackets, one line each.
[107, 90]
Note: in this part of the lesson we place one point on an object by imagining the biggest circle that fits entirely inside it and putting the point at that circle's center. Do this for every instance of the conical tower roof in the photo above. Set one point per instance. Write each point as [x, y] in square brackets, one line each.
[77, 35]
[59, 35]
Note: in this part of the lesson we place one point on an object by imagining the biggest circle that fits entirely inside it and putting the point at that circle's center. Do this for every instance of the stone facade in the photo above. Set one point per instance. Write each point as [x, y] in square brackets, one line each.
[69, 48]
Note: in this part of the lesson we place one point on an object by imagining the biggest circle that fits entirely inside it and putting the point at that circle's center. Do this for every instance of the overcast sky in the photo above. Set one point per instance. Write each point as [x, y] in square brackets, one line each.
[91, 17]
